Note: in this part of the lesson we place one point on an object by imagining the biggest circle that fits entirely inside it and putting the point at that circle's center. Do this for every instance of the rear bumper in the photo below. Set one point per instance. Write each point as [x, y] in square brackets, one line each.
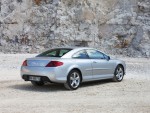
[43, 78]
[48, 74]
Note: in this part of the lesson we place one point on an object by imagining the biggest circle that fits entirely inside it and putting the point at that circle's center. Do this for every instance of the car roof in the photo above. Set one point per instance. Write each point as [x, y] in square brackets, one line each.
[73, 48]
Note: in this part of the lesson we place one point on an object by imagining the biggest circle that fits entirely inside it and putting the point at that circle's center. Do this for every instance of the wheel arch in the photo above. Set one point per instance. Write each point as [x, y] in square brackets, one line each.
[75, 68]
[122, 67]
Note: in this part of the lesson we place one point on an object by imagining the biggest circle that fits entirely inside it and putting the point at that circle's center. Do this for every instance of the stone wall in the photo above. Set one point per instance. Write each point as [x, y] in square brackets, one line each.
[114, 26]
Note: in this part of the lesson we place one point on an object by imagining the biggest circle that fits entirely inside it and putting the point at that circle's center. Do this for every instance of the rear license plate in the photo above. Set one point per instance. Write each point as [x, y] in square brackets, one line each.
[32, 78]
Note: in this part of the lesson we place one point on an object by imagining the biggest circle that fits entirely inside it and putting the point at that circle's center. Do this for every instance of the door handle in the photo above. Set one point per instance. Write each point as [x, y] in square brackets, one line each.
[94, 62]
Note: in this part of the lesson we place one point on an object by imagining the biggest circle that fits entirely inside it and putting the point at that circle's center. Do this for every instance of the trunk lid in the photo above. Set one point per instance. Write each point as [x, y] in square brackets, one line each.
[40, 61]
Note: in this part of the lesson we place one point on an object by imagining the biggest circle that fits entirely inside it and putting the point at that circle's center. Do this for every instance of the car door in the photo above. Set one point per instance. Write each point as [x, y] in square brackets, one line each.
[101, 66]
[84, 64]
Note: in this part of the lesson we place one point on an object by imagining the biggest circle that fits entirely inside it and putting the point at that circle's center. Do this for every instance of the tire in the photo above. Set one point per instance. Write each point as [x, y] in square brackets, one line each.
[118, 74]
[41, 83]
[73, 80]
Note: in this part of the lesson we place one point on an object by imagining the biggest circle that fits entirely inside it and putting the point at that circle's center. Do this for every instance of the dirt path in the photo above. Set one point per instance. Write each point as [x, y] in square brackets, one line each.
[125, 97]
[132, 95]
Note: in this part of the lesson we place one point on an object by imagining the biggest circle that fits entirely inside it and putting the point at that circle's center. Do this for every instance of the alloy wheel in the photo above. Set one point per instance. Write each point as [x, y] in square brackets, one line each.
[119, 73]
[74, 79]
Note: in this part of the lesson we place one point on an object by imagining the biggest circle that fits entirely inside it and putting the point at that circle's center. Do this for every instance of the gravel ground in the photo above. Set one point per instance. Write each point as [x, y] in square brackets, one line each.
[132, 95]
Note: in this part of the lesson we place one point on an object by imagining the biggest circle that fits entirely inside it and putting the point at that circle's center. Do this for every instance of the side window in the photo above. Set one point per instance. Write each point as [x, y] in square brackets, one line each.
[81, 55]
[94, 54]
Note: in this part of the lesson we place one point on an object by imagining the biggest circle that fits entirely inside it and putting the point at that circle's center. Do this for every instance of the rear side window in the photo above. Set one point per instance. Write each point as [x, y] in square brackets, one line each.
[80, 55]
[54, 53]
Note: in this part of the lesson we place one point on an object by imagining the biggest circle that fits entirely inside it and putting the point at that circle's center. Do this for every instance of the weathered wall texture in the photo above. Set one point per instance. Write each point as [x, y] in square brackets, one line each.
[114, 26]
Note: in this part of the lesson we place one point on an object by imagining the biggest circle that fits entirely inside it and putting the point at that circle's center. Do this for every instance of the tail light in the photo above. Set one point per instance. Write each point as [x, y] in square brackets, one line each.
[54, 64]
[24, 63]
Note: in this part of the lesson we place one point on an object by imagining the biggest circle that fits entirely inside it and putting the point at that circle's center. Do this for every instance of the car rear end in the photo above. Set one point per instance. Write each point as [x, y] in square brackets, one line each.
[44, 68]
[47, 70]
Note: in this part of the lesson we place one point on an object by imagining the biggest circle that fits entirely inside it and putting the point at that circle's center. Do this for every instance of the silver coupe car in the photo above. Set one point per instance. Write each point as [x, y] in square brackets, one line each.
[72, 66]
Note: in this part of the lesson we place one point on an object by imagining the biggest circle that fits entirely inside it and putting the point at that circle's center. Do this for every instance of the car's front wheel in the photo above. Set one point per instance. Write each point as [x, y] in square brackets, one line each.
[73, 80]
[41, 83]
[118, 74]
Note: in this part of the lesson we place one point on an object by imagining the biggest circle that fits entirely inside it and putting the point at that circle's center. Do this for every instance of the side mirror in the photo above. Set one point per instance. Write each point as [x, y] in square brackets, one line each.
[108, 58]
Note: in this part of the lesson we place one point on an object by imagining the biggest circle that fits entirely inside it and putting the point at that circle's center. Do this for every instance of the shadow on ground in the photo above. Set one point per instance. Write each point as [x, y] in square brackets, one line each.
[53, 87]
[94, 83]
[46, 88]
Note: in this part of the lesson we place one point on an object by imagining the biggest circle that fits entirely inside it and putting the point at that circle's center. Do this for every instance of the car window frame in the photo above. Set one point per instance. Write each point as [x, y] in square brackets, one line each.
[78, 52]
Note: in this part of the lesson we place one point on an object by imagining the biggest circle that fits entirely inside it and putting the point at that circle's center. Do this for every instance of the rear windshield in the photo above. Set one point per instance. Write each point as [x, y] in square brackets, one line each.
[54, 53]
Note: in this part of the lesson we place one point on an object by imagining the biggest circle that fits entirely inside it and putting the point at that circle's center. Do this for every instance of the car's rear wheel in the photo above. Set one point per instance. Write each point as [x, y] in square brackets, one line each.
[73, 80]
[118, 74]
[41, 83]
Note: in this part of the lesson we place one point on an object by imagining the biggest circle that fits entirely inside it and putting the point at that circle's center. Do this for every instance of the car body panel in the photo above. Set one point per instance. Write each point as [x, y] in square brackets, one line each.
[84, 65]
[102, 68]
[91, 69]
